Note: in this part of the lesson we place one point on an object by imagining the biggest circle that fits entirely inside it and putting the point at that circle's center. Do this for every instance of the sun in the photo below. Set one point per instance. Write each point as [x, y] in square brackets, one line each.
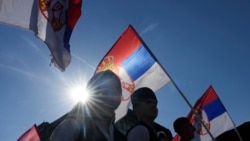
[79, 94]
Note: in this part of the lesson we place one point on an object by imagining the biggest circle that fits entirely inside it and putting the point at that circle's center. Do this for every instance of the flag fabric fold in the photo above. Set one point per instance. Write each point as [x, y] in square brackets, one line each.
[136, 66]
[30, 135]
[213, 114]
[52, 21]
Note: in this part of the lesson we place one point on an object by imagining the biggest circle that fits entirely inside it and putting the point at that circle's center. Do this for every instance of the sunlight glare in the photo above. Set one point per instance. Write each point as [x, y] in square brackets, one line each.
[79, 94]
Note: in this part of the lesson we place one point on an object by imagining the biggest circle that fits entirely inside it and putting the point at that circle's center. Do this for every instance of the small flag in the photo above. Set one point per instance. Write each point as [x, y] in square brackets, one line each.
[213, 115]
[30, 135]
[136, 66]
[52, 21]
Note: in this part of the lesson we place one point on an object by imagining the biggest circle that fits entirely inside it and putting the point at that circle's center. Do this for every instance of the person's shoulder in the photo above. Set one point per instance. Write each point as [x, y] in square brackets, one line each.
[138, 132]
[69, 123]
[161, 129]
[138, 129]
[68, 129]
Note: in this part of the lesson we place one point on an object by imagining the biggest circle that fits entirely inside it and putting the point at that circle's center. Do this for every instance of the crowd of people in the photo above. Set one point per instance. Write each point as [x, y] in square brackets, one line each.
[94, 121]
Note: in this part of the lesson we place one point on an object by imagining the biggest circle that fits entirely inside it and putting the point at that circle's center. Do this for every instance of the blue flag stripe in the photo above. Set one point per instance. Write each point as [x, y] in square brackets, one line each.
[138, 63]
[214, 109]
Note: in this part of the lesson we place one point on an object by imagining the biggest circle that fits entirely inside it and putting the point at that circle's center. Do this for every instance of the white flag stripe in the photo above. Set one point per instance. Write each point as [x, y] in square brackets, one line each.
[49, 21]
[19, 13]
[221, 124]
[156, 75]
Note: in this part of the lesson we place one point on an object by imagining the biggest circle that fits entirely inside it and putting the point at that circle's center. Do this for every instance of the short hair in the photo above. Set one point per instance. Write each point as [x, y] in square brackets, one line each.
[99, 82]
[179, 123]
[105, 87]
[142, 94]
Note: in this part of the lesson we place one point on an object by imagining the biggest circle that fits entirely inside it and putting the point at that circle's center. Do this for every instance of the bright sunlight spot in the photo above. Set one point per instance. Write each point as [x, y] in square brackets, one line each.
[79, 93]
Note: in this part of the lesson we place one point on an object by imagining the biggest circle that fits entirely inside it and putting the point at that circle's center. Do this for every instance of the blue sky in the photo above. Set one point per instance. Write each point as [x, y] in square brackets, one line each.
[199, 43]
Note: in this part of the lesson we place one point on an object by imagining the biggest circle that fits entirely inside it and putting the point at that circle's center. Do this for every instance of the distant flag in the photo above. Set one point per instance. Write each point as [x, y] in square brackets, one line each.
[213, 114]
[136, 66]
[30, 135]
[52, 21]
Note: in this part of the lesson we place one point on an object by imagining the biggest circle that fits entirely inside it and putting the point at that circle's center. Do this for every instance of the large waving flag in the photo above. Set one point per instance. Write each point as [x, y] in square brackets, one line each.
[52, 21]
[212, 113]
[136, 66]
[30, 135]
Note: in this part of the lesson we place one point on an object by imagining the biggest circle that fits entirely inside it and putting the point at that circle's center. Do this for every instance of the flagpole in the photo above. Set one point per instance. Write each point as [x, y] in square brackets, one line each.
[178, 89]
[196, 114]
[237, 132]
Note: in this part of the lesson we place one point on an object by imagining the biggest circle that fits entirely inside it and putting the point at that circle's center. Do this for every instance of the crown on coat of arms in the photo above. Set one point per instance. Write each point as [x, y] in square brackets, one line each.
[106, 64]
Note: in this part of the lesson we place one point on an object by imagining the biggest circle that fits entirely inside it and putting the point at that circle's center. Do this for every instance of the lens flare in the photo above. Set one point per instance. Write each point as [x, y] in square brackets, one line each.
[79, 94]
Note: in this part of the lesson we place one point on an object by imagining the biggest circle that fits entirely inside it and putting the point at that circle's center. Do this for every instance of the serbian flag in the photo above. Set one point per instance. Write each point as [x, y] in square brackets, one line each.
[52, 21]
[30, 135]
[213, 114]
[136, 66]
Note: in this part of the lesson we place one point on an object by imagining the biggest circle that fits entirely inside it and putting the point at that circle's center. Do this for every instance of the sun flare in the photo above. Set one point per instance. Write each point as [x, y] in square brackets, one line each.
[79, 94]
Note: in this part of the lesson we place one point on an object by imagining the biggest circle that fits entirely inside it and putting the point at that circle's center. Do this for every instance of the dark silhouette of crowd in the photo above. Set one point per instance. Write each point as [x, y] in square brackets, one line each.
[95, 120]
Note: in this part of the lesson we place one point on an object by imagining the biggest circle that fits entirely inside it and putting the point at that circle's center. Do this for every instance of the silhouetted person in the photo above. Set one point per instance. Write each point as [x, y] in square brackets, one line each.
[93, 121]
[184, 128]
[144, 103]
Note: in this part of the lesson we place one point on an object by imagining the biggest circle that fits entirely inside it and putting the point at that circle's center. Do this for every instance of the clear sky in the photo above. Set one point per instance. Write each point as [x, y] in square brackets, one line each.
[199, 43]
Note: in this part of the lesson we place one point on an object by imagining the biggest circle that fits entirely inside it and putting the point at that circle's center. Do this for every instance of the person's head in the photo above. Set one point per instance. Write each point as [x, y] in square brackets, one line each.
[144, 103]
[184, 128]
[105, 93]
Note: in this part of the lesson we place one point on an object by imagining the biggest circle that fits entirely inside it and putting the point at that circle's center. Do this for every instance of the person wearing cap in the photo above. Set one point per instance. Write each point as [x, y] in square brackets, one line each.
[94, 120]
[184, 128]
[144, 104]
